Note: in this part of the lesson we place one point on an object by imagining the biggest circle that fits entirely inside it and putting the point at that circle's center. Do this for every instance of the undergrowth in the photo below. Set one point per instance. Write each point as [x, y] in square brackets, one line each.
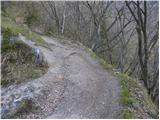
[125, 96]
[18, 64]
[8, 24]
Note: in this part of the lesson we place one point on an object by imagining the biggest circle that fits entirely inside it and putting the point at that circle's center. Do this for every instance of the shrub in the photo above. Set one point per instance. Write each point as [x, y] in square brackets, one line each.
[30, 19]
[7, 33]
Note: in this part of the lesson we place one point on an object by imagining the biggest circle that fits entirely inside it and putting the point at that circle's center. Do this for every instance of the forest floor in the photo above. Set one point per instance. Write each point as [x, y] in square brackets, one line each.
[75, 86]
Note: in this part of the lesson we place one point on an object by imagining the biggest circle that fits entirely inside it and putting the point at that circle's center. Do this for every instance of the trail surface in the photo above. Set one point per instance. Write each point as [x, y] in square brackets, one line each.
[91, 92]
[75, 86]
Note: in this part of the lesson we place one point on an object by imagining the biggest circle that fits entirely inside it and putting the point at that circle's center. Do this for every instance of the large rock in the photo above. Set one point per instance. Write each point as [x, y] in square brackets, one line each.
[39, 56]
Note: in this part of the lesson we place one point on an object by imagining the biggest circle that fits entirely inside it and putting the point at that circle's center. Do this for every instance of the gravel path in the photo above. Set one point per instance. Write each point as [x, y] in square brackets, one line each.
[75, 86]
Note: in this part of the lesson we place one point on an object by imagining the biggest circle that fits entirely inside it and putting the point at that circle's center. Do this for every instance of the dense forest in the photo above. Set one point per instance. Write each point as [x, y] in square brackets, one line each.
[125, 34]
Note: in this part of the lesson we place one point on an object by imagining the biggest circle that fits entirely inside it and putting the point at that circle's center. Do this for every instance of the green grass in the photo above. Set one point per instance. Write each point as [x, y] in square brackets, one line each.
[102, 62]
[126, 114]
[125, 96]
[125, 93]
[129, 90]
[36, 38]
[7, 23]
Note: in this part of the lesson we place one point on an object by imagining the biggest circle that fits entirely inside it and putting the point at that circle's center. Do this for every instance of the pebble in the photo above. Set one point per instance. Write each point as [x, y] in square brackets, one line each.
[17, 96]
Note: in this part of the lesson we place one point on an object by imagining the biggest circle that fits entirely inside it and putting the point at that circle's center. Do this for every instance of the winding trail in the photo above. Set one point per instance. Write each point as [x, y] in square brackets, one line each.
[77, 86]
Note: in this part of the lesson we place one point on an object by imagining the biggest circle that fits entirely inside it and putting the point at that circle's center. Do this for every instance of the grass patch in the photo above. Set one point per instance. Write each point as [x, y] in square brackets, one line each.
[7, 23]
[24, 106]
[102, 62]
[126, 114]
[18, 64]
[125, 97]
[134, 96]
[36, 38]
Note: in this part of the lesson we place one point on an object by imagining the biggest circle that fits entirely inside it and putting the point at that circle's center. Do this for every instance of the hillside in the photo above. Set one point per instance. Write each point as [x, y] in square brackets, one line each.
[79, 60]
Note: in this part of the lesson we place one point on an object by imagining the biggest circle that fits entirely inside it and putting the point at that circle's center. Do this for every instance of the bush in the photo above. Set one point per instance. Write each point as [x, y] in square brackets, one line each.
[7, 33]
[30, 19]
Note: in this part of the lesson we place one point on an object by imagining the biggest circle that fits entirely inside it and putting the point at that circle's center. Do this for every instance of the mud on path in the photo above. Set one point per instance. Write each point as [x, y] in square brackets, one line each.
[75, 86]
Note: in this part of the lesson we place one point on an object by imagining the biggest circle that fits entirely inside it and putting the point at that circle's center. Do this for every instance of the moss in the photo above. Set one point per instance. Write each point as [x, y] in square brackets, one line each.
[102, 62]
[125, 93]
[35, 38]
[125, 97]
[93, 54]
[126, 114]
[105, 64]
[25, 106]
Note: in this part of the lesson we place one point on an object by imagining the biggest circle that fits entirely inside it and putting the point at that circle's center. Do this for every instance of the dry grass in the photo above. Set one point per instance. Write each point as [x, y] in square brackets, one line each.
[18, 64]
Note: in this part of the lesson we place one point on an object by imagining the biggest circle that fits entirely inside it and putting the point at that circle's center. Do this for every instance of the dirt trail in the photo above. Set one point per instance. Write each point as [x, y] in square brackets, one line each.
[90, 91]
[75, 86]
